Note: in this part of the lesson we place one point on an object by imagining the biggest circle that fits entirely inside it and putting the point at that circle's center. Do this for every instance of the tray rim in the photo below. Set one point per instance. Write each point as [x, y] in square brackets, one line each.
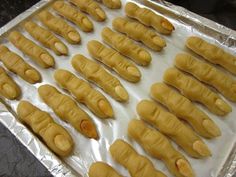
[227, 170]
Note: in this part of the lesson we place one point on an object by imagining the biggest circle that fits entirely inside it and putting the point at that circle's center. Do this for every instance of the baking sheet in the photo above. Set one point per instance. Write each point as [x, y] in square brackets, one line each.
[87, 151]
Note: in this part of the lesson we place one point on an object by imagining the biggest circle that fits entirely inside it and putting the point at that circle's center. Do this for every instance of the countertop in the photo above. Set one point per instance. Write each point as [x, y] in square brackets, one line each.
[15, 159]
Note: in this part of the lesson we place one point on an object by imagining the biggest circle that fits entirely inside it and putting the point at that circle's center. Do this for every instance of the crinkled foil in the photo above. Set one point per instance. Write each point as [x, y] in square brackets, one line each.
[221, 164]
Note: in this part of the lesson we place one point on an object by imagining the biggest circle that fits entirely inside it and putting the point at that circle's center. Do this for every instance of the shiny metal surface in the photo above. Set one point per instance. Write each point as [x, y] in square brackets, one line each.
[86, 151]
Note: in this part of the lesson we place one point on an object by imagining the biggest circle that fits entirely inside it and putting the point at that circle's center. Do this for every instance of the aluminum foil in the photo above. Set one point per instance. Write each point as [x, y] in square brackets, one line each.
[223, 161]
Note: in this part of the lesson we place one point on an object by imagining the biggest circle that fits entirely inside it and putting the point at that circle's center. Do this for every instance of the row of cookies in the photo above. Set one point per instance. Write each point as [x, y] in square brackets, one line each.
[182, 107]
[17, 64]
[139, 29]
[89, 69]
[205, 126]
[126, 146]
[100, 106]
[65, 107]
[156, 144]
[59, 26]
[199, 72]
[124, 44]
[45, 37]
[54, 135]
[153, 141]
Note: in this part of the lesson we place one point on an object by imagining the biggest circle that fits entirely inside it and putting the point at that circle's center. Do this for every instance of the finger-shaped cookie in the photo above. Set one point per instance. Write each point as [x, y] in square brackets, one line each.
[114, 60]
[73, 15]
[207, 74]
[171, 126]
[28, 47]
[185, 109]
[101, 169]
[137, 165]
[92, 8]
[112, 4]
[212, 53]
[59, 26]
[67, 109]
[158, 146]
[139, 32]
[17, 65]
[149, 18]
[126, 46]
[46, 38]
[84, 93]
[196, 91]
[98, 75]
[42, 124]
[9, 89]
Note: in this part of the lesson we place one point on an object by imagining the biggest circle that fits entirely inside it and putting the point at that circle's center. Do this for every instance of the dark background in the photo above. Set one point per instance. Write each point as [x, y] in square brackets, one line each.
[15, 160]
[221, 11]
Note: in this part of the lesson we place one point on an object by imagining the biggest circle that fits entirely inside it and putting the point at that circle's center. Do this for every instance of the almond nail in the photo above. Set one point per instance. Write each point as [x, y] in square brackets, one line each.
[223, 106]
[105, 108]
[61, 48]
[10, 91]
[33, 75]
[87, 23]
[133, 71]
[159, 41]
[47, 59]
[145, 56]
[211, 128]
[88, 128]
[74, 36]
[167, 25]
[100, 13]
[62, 143]
[201, 148]
[122, 93]
[184, 168]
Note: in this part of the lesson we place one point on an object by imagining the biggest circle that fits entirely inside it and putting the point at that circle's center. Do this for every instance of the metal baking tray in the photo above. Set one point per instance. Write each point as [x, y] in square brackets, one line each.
[223, 161]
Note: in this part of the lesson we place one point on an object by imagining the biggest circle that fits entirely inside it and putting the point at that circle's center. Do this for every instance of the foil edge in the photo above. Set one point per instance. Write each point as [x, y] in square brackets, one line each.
[60, 169]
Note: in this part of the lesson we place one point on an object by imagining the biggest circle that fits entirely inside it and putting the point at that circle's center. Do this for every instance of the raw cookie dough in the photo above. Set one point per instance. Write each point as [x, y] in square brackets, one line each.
[208, 74]
[92, 8]
[17, 65]
[60, 27]
[137, 165]
[46, 38]
[114, 60]
[196, 91]
[95, 73]
[54, 135]
[149, 18]
[172, 127]
[8, 87]
[84, 93]
[126, 46]
[28, 47]
[185, 109]
[212, 53]
[66, 108]
[73, 15]
[101, 169]
[139, 32]
[158, 146]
